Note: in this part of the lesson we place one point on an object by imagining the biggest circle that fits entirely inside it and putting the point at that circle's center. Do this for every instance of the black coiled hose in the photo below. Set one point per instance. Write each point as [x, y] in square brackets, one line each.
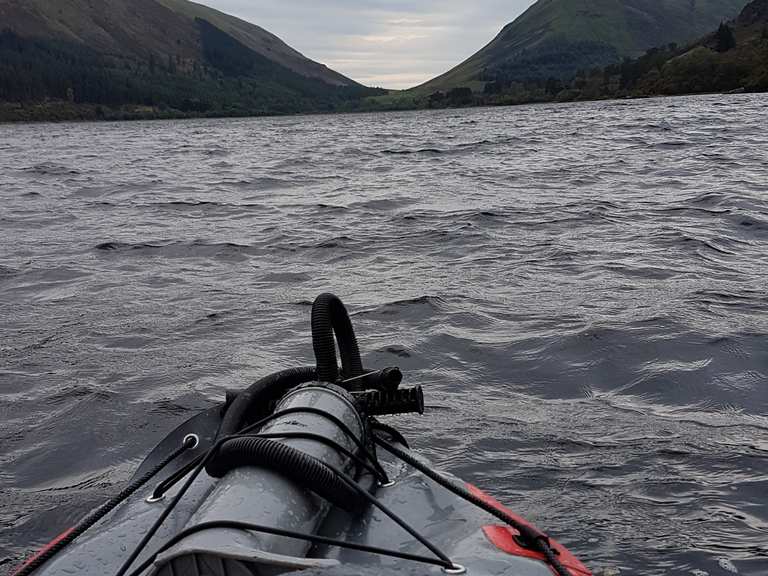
[254, 402]
[329, 318]
[289, 462]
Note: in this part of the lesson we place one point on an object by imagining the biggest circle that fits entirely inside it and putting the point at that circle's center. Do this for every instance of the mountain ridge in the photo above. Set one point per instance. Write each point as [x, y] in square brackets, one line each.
[138, 27]
[153, 58]
[555, 38]
[731, 59]
[265, 43]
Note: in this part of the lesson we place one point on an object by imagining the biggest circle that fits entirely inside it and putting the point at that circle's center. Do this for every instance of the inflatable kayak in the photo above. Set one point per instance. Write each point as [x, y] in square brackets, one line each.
[297, 472]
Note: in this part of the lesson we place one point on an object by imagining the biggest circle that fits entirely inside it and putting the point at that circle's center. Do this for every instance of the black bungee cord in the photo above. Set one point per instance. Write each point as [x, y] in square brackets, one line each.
[337, 421]
[159, 522]
[208, 456]
[442, 559]
[532, 537]
[536, 539]
[190, 442]
[370, 462]
[315, 539]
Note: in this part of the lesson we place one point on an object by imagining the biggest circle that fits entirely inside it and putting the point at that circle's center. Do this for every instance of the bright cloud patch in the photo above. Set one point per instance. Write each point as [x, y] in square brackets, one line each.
[387, 43]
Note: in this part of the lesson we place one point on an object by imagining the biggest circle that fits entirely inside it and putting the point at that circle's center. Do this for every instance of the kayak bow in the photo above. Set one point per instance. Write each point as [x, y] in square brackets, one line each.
[297, 472]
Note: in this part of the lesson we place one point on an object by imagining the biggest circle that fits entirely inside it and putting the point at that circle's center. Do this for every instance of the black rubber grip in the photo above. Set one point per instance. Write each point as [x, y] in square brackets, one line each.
[381, 403]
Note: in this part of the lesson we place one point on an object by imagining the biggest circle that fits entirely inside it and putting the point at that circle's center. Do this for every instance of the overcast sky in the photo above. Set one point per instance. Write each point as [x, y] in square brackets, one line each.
[387, 43]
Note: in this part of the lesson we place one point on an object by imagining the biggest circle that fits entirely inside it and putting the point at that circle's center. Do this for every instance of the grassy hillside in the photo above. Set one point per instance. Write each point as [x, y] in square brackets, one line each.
[732, 58]
[113, 58]
[555, 38]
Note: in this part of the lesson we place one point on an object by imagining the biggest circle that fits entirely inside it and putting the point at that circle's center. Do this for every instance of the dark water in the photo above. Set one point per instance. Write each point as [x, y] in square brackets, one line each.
[581, 289]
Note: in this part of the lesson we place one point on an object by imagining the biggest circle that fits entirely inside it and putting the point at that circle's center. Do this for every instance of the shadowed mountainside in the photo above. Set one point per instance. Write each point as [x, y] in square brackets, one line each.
[164, 57]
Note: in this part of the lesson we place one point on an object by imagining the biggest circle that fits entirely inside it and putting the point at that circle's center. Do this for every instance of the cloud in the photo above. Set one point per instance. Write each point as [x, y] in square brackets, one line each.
[392, 43]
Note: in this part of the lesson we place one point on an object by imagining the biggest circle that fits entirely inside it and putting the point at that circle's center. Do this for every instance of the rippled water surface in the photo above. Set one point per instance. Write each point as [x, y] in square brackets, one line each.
[582, 290]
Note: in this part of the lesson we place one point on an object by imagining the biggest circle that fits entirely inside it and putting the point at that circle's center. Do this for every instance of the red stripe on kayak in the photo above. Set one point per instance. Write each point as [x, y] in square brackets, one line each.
[503, 537]
[43, 550]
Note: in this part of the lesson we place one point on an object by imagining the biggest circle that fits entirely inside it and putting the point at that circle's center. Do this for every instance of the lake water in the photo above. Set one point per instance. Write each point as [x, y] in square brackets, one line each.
[582, 290]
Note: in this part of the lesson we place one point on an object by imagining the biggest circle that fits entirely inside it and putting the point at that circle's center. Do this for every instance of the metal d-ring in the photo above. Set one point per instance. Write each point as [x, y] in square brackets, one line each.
[388, 484]
[194, 441]
[455, 569]
[195, 438]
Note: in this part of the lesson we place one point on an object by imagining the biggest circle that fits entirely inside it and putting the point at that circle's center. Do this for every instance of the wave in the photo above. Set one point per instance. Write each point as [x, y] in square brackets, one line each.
[285, 277]
[672, 144]
[332, 207]
[577, 287]
[7, 271]
[338, 242]
[459, 148]
[419, 304]
[680, 238]
[756, 227]
[179, 249]
[51, 169]
[392, 203]
[208, 207]
[406, 152]
[744, 300]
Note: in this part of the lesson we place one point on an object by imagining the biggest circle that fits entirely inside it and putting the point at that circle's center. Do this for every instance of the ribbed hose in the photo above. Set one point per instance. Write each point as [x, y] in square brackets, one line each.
[329, 317]
[288, 461]
[253, 403]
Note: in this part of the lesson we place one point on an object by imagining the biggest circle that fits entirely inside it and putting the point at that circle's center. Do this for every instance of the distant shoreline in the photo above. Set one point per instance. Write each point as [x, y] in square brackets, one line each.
[62, 112]
[59, 111]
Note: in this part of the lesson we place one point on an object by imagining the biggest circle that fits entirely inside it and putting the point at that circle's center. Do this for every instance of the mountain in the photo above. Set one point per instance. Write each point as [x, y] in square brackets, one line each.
[731, 59]
[170, 57]
[756, 12]
[555, 38]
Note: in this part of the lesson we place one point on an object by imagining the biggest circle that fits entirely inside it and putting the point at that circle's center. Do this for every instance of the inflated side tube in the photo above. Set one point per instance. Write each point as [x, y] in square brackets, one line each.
[289, 462]
[329, 318]
[254, 402]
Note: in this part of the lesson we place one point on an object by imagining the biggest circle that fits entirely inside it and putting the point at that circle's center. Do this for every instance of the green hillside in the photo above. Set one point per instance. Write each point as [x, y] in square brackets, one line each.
[733, 58]
[145, 58]
[555, 38]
